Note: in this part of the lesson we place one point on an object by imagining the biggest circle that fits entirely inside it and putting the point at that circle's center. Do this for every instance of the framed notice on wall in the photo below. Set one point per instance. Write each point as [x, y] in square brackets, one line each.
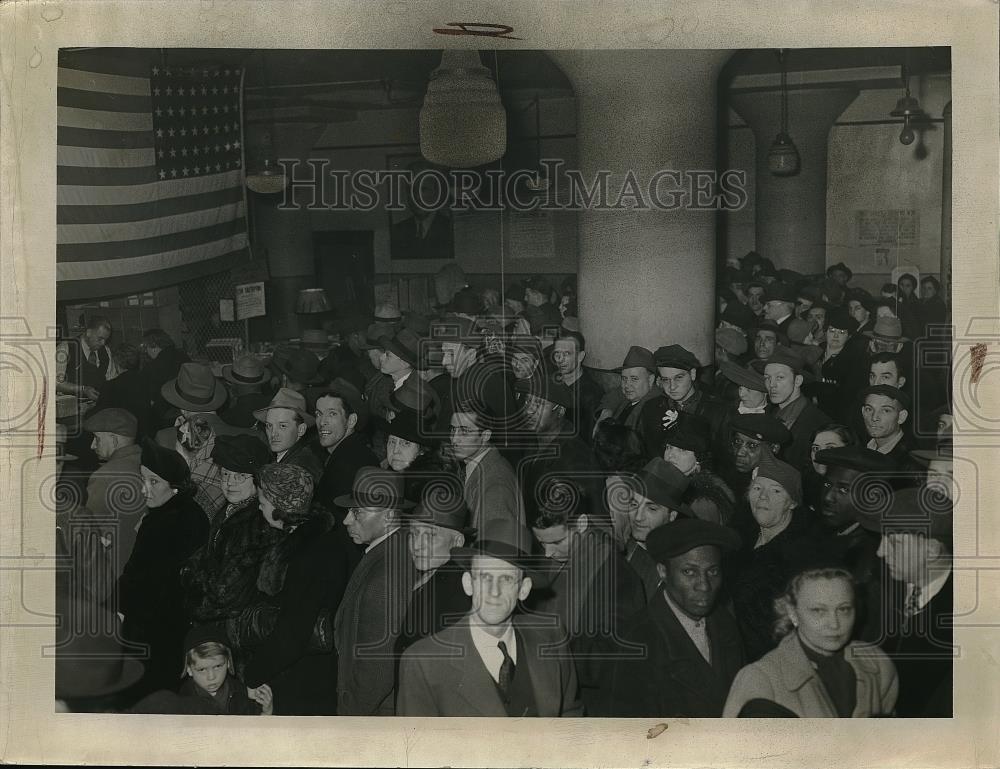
[250, 301]
[897, 227]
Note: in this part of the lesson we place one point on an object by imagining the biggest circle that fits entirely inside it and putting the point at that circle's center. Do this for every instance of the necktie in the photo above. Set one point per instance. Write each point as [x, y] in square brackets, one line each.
[506, 671]
[93, 358]
[912, 603]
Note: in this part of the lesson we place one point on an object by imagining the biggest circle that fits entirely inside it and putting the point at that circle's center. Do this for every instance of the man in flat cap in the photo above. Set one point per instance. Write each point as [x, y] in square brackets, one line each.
[854, 476]
[493, 662]
[114, 502]
[784, 374]
[917, 549]
[638, 376]
[885, 411]
[657, 498]
[692, 644]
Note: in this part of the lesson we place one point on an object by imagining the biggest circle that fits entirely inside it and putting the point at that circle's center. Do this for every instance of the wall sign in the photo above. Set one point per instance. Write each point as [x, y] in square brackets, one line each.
[250, 301]
[893, 227]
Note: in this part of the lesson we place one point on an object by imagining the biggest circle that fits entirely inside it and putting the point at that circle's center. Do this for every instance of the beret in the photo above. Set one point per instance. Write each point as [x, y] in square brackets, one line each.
[889, 392]
[763, 427]
[675, 356]
[240, 453]
[856, 458]
[118, 421]
[684, 534]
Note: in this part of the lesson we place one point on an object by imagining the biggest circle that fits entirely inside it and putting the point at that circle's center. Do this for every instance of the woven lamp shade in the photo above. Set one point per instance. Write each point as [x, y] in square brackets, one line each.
[463, 123]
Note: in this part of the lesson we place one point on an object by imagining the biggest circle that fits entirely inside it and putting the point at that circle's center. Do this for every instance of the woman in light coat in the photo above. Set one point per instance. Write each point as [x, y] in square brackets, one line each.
[816, 671]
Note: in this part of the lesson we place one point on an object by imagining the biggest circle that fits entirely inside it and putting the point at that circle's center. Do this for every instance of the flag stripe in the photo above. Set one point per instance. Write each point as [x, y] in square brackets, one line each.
[102, 157]
[83, 80]
[111, 195]
[72, 234]
[102, 269]
[72, 215]
[123, 251]
[110, 102]
[89, 137]
[104, 120]
[75, 290]
[110, 176]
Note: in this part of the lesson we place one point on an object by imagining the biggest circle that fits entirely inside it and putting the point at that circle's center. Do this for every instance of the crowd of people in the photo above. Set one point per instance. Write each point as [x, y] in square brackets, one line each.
[451, 515]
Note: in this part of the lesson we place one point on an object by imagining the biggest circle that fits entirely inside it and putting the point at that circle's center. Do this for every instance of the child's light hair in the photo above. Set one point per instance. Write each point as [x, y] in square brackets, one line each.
[205, 650]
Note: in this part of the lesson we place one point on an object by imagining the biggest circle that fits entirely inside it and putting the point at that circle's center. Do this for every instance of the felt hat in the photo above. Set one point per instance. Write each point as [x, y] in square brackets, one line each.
[731, 340]
[782, 473]
[195, 388]
[662, 483]
[779, 292]
[675, 356]
[944, 451]
[374, 487]
[738, 314]
[769, 325]
[240, 453]
[374, 333]
[839, 266]
[117, 421]
[689, 432]
[166, 463]
[856, 458]
[762, 427]
[246, 370]
[453, 328]
[405, 345]
[90, 660]
[442, 503]
[287, 398]
[887, 330]
[508, 541]
[467, 302]
[744, 376]
[913, 510]
[409, 426]
[639, 357]
[840, 318]
[297, 364]
[415, 395]
[684, 534]
[210, 633]
[315, 340]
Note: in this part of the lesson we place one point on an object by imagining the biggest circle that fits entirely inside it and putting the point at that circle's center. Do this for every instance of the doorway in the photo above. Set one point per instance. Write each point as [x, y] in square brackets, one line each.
[345, 267]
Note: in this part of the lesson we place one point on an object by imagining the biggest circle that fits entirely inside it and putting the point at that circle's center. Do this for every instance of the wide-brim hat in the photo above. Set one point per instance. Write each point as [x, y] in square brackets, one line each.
[912, 510]
[240, 453]
[315, 340]
[91, 664]
[286, 398]
[747, 377]
[414, 395]
[245, 370]
[508, 541]
[662, 483]
[888, 330]
[370, 340]
[455, 329]
[786, 357]
[195, 388]
[684, 534]
[639, 357]
[944, 451]
[409, 426]
[442, 503]
[839, 266]
[375, 487]
[405, 345]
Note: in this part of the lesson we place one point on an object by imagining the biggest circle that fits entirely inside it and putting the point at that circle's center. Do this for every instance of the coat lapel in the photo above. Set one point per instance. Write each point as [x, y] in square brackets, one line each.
[688, 666]
[473, 683]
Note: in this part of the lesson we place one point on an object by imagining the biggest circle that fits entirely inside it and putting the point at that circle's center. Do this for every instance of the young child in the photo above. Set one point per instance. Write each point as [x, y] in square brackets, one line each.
[208, 663]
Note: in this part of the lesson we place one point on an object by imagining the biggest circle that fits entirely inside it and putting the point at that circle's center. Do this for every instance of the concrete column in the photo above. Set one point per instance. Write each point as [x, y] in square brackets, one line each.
[791, 210]
[645, 277]
[946, 205]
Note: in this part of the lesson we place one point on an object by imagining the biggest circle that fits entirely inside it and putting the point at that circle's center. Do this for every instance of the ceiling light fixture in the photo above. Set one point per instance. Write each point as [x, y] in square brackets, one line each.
[909, 109]
[783, 157]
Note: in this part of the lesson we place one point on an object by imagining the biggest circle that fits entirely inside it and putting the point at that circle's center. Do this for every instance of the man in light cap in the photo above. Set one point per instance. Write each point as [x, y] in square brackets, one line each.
[492, 663]
[917, 549]
[692, 644]
[114, 491]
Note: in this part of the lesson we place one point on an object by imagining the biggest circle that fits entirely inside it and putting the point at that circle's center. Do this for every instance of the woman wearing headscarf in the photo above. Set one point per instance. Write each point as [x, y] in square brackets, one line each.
[221, 578]
[817, 671]
[774, 540]
[301, 582]
[149, 589]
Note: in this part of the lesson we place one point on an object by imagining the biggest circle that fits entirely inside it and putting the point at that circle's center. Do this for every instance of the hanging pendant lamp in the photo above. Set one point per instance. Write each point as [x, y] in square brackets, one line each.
[908, 108]
[463, 123]
[267, 179]
[783, 157]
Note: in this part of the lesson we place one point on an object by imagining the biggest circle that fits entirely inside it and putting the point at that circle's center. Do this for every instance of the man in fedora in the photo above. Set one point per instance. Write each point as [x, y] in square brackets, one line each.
[341, 416]
[286, 421]
[198, 394]
[245, 378]
[436, 527]
[840, 272]
[297, 368]
[886, 336]
[638, 375]
[493, 662]
[779, 304]
[114, 491]
[657, 492]
[400, 356]
[916, 546]
[691, 642]
[371, 613]
[592, 588]
[784, 373]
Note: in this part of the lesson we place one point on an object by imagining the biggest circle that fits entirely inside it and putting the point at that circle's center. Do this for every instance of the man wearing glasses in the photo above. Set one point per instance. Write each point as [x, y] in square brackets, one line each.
[751, 437]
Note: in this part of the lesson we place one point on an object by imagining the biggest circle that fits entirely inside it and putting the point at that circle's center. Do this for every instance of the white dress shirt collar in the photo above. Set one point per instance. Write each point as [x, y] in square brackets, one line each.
[931, 589]
[486, 645]
[696, 629]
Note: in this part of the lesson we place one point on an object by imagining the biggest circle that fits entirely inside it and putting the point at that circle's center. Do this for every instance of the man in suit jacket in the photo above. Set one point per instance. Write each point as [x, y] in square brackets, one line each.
[285, 423]
[491, 488]
[918, 600]
[692, 644]
[371, 613]
[492, 663]
[638, 375]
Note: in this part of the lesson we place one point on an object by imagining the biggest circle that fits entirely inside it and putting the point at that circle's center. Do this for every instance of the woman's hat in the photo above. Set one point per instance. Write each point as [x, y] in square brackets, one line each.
[409, 426]
[662, 483]
[240, 453]
[508, 541]
[747, 377]
[887, 330]
[289, 487]
[166, 463]
[375, 487]
[840, 318]
[783, 473]
[90, 661]
[194, 388]
[246, 370]
[287, 398]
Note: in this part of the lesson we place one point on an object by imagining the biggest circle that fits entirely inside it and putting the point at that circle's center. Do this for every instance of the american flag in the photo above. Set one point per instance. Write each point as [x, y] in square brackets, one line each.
[150, 173]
